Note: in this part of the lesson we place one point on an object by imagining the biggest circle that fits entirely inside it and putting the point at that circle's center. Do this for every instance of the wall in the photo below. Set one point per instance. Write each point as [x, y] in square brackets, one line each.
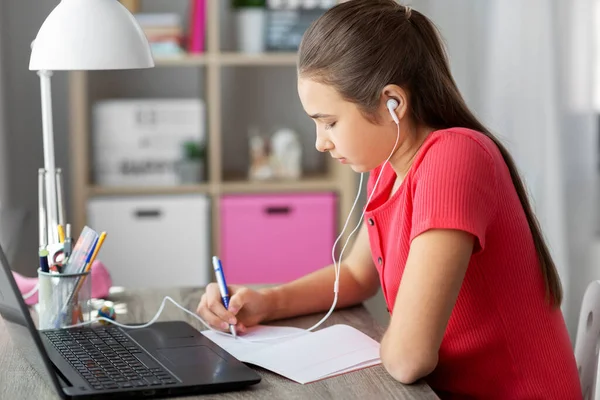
[577, 61]
[3, 126]
[21, 20]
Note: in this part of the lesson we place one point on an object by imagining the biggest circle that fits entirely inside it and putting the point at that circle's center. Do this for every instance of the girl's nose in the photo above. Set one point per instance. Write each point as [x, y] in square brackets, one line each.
[323, 145]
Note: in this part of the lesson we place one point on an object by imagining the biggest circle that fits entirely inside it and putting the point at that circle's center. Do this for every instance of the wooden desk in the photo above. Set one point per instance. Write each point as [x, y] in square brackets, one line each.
[19, 381]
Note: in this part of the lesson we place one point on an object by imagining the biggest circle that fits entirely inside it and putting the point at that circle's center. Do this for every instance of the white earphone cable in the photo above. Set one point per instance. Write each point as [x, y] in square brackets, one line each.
[152, 321]
[336, 267]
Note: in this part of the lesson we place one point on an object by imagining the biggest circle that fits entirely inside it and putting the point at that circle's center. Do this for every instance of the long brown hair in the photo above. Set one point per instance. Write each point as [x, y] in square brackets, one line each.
[360, 46]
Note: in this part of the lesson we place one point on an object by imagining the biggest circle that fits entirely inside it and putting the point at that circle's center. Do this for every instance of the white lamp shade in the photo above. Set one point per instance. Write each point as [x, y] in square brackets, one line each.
[90, 35]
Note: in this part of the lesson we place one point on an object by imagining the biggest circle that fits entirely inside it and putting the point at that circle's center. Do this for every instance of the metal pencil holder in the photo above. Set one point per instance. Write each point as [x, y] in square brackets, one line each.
[64, 299]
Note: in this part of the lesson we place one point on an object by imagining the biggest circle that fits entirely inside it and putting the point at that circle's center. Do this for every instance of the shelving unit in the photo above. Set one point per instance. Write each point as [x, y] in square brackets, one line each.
[334, 178]
[228, 58]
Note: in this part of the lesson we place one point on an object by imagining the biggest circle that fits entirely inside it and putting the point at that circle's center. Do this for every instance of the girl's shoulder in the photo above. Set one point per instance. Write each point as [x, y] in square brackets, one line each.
[458, 151]
[461, 148]
[460, 140]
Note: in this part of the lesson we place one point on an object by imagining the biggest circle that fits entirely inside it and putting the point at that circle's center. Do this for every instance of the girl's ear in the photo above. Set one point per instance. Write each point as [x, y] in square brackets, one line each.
[397, 93]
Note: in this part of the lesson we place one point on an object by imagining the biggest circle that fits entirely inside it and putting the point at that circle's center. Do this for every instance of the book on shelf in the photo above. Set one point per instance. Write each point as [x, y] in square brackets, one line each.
[164, 32]
[197, 27]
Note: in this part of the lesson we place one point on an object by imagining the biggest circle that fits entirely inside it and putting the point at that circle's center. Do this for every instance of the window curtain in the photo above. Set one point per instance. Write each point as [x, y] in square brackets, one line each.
[526, 69]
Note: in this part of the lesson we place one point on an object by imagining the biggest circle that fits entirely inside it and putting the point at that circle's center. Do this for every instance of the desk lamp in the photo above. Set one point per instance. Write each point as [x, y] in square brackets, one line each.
[81, 35]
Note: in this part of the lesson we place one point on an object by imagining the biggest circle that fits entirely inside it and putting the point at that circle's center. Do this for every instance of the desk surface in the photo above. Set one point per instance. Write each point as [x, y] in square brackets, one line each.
[19, 381]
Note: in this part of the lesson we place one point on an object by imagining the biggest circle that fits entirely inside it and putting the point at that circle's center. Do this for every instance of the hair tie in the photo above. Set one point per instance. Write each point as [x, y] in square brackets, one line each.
[407, 11]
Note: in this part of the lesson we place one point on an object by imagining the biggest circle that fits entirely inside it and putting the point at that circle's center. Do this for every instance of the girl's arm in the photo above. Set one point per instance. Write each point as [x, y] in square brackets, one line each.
[313, 293]
[435, 268]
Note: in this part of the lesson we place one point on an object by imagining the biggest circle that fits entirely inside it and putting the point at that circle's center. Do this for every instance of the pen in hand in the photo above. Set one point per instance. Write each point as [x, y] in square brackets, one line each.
[218, 267]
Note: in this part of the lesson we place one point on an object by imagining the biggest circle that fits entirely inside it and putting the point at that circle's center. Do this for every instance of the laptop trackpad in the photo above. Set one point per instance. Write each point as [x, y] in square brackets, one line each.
[190, 355]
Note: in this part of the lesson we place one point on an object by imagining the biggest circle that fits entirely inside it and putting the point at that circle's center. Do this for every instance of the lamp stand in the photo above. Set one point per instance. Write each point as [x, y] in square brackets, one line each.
[49, 162]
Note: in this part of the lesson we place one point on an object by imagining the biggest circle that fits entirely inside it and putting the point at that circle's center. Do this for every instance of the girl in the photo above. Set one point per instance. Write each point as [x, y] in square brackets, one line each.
[448, 233]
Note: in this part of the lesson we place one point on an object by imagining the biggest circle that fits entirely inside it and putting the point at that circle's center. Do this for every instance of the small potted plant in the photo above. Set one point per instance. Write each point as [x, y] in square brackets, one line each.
[191, 166]
[251, 21]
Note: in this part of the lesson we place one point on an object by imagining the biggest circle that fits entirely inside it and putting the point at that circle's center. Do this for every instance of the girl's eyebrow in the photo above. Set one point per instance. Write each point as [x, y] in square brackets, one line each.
[319, 116]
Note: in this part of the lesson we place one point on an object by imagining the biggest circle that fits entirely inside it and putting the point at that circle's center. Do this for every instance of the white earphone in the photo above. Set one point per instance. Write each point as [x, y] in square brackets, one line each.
[392, 104]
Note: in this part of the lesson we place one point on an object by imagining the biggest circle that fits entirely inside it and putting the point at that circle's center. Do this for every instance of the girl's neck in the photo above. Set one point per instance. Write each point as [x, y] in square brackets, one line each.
[411, 139]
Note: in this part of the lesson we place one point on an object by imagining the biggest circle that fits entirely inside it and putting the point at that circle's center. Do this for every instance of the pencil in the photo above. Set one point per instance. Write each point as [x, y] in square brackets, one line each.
[96, 250]
[61, 234]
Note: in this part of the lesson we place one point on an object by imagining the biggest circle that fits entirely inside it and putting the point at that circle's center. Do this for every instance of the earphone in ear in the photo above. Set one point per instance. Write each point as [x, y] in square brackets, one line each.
[392, 104]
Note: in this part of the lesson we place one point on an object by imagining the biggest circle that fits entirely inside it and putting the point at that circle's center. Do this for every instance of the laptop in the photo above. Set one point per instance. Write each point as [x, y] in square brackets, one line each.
[167, 359]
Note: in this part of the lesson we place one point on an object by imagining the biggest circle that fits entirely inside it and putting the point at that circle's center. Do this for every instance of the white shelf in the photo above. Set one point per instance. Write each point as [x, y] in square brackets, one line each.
[129, 191]
[301, 185]
[230, 186]
[185, 60]
[263, 59]
[228, 59]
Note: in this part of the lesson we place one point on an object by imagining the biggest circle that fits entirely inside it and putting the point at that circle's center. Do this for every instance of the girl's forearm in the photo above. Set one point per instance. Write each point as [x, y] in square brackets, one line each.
[314, 293]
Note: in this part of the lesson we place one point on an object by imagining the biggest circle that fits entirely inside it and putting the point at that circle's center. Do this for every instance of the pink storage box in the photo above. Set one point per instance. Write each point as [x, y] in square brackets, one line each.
[276, 238]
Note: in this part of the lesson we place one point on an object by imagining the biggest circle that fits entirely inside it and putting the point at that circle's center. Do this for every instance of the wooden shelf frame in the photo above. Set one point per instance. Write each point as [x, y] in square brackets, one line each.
[227, 59]
[339, 179]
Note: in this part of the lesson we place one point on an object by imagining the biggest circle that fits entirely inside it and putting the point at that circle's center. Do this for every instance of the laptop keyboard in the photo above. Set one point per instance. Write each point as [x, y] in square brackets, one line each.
[107, 359]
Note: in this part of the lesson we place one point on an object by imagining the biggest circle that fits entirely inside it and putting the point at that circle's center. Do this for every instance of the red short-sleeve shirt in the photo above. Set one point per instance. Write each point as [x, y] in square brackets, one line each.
[503, 340]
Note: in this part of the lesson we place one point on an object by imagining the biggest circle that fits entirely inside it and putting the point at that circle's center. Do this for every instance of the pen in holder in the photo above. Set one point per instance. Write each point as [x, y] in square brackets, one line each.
[64, 299]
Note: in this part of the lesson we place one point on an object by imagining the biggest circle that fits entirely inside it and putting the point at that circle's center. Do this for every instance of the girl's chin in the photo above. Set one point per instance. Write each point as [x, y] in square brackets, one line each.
[358, 168]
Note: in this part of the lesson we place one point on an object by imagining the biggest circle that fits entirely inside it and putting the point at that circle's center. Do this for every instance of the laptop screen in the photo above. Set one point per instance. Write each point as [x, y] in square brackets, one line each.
[20, 326]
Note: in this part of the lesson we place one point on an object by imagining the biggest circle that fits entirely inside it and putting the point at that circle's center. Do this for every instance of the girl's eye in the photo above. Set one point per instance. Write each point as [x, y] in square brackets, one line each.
[329, 126]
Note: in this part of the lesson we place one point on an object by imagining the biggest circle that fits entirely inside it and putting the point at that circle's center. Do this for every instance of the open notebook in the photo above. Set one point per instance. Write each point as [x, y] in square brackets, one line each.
[299, 355]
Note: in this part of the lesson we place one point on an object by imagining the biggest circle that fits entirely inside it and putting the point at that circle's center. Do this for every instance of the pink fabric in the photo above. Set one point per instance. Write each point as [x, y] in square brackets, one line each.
[101, 283]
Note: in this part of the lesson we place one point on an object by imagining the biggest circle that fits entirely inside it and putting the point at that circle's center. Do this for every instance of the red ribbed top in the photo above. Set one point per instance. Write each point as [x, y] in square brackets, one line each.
[503, 340]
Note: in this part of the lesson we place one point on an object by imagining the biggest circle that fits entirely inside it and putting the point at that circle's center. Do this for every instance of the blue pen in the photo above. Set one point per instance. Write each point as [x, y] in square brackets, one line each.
[218, 267]
[89, 256]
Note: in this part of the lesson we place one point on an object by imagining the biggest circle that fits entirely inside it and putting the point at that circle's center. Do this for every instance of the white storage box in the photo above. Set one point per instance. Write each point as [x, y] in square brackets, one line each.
[138, 142]
[154, 241]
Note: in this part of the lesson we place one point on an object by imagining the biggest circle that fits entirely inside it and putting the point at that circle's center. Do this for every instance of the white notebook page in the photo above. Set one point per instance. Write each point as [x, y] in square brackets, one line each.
[302, 356]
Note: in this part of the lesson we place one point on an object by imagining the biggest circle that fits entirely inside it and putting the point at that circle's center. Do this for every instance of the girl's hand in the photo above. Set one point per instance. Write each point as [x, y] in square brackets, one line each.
[247, 307]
